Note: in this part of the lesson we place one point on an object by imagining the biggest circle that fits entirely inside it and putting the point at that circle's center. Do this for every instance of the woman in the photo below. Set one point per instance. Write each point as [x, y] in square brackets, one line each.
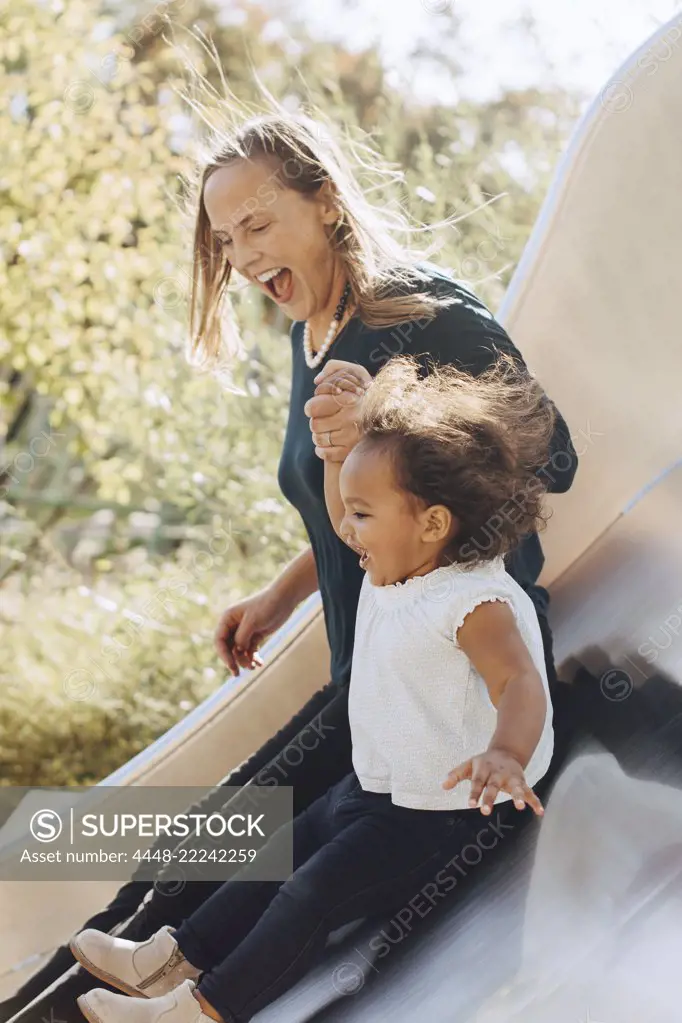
[278, 202]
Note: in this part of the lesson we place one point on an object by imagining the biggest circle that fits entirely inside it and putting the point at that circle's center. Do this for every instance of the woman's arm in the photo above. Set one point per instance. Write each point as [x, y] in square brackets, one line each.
[298, 580]
[332, 494]
[562, 464]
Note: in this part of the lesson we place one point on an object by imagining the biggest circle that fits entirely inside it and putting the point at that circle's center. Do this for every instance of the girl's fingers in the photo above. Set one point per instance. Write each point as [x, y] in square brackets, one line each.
[478, 783]
[517, 790]
[338, 380]
[458, 774]
[339, 385]
[491, 792]
[488, 783]
[529, 797]
[337, 366]
[343, 397]
[330, 366]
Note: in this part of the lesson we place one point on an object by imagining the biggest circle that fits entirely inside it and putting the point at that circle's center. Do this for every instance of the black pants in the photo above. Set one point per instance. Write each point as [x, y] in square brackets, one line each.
[311, 753]
[355, 854]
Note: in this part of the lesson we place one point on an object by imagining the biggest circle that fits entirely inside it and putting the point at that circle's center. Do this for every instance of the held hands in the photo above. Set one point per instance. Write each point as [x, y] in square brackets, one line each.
[334, 409]
[495, 771]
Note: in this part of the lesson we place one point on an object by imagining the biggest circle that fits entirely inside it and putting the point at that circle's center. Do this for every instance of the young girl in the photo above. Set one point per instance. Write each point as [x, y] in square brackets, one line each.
[448, 669]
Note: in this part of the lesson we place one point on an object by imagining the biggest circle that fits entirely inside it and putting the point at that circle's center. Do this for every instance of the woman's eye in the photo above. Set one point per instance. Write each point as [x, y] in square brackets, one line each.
[224, 241]
[360, 515]
[264, 226]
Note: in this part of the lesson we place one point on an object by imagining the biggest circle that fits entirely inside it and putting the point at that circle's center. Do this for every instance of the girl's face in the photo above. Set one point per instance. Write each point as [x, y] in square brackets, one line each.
[265, 227]
[395, 535]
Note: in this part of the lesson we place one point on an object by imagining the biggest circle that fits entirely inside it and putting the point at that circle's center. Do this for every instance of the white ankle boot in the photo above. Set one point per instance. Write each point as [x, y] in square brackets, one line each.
[143, 969]
[178, 1006]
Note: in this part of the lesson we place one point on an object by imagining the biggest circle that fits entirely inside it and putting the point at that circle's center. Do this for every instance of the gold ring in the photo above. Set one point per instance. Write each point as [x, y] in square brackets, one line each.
[329, 438]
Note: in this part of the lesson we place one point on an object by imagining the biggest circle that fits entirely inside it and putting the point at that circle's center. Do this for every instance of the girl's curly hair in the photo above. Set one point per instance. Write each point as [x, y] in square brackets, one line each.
[473, 444]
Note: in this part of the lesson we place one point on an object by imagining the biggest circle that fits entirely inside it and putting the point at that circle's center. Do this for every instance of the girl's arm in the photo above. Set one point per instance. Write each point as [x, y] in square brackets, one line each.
[491, 640]
[332, 494]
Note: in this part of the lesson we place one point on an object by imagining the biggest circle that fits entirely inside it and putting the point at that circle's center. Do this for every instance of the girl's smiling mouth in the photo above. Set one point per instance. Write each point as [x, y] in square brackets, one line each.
[364, 556]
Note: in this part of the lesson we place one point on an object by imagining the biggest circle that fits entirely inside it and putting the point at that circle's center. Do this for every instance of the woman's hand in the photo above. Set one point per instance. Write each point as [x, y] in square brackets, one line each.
[496, 771]
[244, 626]
[334, 410]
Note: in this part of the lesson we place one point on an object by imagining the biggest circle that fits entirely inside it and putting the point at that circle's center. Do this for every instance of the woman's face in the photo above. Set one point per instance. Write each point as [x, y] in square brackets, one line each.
[265, 227]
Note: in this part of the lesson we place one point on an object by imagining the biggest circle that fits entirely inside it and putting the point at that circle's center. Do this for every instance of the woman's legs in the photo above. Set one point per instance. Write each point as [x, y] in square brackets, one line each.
[223, 921]
[311, 752]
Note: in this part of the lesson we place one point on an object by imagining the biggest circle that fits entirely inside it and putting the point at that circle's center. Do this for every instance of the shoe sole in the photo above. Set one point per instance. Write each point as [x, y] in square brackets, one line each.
[87, 1011]
[116, 982]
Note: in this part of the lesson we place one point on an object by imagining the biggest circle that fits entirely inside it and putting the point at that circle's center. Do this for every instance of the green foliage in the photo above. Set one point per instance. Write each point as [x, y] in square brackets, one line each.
[125, 469]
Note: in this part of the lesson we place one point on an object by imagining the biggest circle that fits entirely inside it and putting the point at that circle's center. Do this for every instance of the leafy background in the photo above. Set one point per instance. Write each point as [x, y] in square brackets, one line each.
[138, 496]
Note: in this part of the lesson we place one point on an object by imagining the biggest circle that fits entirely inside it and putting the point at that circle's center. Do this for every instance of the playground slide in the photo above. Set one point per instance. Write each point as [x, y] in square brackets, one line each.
[594, 308]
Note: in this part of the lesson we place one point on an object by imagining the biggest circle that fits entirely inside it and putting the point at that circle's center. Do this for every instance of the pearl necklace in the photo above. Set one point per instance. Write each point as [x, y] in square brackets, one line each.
[313, 361]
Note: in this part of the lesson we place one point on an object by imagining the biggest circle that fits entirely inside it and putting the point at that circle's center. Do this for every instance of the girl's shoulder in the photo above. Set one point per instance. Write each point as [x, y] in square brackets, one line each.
[479, 575]
[485, 582]
[441, 590]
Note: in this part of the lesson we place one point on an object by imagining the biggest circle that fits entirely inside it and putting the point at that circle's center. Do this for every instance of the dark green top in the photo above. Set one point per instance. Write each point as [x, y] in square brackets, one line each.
[465, 334]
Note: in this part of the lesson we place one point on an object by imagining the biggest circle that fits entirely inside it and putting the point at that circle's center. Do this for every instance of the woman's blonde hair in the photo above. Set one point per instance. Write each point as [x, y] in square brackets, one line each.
[381, 270]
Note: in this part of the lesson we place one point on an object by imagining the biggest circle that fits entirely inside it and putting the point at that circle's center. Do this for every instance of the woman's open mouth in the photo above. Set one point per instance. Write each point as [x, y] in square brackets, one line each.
[279, 282]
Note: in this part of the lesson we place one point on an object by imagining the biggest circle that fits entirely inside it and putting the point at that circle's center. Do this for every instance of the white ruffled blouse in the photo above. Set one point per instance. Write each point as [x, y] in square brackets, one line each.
[417, 705]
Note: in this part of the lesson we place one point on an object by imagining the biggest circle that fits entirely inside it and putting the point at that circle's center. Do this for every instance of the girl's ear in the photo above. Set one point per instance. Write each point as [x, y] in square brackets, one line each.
[440, 523]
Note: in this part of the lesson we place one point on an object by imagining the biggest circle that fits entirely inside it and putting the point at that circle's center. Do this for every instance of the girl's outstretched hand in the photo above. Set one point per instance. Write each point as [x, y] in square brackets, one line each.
[495, 771]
